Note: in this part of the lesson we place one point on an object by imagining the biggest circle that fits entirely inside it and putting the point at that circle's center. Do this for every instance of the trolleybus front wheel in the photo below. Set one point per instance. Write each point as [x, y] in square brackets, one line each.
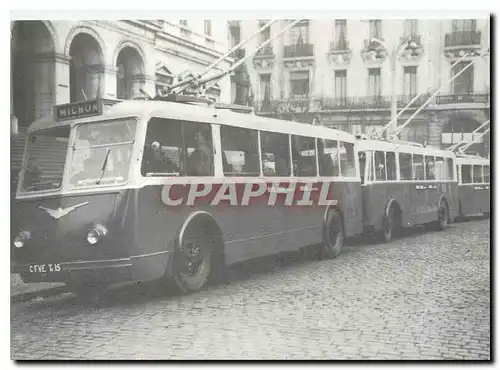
[194, 260]
[334, 235]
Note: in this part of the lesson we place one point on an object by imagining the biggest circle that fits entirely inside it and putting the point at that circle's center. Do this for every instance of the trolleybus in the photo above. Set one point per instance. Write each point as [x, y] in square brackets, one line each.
[473, 185]
[405, 184]
[173, 189]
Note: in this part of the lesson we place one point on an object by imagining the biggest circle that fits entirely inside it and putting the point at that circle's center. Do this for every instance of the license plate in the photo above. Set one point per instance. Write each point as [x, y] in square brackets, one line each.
[48, 267]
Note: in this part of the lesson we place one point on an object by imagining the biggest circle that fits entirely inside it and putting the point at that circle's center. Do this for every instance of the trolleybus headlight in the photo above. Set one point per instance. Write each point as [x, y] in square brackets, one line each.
[21, 239]
[96, 234]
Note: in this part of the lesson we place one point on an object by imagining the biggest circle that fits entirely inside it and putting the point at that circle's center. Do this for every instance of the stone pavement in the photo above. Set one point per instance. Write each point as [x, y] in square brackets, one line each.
[423, 296]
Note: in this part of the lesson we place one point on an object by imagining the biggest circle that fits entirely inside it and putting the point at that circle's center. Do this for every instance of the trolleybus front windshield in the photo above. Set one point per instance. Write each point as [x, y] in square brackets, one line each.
[45, 158]
[102, 153]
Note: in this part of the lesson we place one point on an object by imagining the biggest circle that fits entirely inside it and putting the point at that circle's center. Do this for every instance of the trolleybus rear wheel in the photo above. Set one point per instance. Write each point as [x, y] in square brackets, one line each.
[193, 261]
[334, 235]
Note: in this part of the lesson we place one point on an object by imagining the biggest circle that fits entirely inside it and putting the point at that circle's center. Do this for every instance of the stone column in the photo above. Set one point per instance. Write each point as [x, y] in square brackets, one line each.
[43, 85]
[109, 84]
[434, 130]
[93, 81]
[61, 72]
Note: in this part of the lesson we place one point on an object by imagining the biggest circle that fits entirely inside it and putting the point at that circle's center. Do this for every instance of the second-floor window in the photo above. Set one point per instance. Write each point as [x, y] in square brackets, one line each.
[410, 81]
[266, 33]
[341, 34]
[376, 28]
[374, 83]
[463, 25]
[411, 27]
[299, 84]
[235, 35]
[463, 84]
[340, 84]
[208, 27]
[299, 34]
[265, 87]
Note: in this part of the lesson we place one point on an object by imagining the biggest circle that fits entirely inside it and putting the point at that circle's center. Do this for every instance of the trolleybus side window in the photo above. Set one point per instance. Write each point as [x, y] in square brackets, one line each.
[418, 167]
[304, 156]
[430, 171]
[390, 159]
[178, 148]
[478, 175]
[328, 158]
[486, 172]
[405, 166]
[466, 174]
[380, 174]
[346, 154]
[449, 166]
[275, 150]
[440, 169]
[241, 149]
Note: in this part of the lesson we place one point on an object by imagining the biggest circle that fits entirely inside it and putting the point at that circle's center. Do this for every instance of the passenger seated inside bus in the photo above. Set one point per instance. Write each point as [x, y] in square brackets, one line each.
[200, 161]
[155, 161]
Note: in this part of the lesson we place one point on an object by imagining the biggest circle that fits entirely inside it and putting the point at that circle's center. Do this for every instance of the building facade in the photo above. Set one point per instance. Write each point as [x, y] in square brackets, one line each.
[57, 62]
[349, 71]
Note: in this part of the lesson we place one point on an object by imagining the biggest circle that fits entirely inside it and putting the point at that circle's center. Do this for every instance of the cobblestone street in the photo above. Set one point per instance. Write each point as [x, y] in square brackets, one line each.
[425, 295]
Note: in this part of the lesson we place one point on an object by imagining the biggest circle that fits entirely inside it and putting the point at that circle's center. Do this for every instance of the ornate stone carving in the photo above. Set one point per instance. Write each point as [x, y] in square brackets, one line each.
[413, 52]
[373, 53]
[299, 63]
[263, 63]
[340, 58]
[459, 53]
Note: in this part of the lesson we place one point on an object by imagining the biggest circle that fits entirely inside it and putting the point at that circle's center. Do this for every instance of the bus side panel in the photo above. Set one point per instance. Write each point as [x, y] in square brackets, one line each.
[352, 207]
[425, 198]
[474, 198]
[376, 197]
[248, 231]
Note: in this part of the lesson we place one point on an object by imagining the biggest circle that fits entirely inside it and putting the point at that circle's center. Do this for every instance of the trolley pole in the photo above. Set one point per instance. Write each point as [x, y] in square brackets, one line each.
[393, 58]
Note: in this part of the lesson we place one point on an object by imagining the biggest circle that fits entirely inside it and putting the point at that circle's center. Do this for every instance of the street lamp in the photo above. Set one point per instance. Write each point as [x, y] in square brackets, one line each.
[393, 59]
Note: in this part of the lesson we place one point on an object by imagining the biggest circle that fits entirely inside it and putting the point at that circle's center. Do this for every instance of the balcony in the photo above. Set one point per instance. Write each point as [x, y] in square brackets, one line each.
[266, 51]
[373, 53]
[464, 39]
[340, 45]
[340, 54]
[264, 58]
[299, 51]
[482, 98]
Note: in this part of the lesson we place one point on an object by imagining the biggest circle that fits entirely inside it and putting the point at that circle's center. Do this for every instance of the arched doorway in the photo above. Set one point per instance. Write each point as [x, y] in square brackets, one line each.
[32, 82]
[32, 72]
[130, 74]
[86, 68]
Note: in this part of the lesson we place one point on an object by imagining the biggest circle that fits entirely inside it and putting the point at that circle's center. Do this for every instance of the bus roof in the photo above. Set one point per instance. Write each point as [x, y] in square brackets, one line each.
[472, 159]
[401, 147]
[191, 112]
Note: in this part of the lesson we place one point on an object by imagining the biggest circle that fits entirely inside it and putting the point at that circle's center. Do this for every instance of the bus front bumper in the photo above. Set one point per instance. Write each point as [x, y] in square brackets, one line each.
[135, 268]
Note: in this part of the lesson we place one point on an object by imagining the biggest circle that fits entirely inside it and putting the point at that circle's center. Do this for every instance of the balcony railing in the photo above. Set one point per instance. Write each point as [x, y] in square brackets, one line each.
[299, 50]
[463, 98]
[266, 51]
[464, 38]
[332, 103]
[339, 45]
